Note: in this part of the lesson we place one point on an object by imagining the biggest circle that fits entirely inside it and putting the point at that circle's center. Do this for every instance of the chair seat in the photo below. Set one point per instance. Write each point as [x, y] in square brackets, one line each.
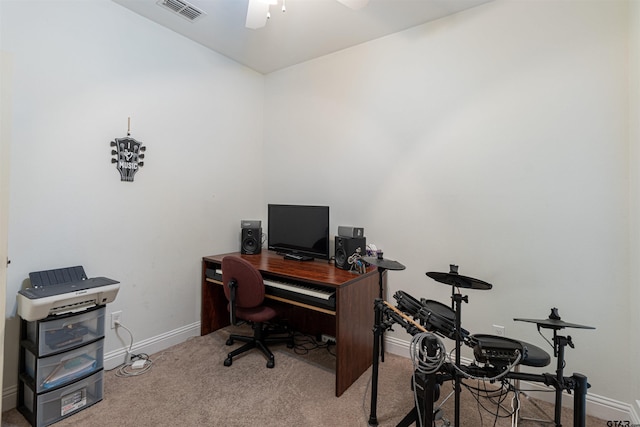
[244, 288]
[256, 314]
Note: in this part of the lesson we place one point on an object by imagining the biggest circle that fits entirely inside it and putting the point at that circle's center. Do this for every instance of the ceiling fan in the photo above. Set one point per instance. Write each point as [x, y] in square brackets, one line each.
[258, 10]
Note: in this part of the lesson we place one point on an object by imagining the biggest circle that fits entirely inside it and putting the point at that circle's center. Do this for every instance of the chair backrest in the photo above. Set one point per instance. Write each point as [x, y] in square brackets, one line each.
[250, 286]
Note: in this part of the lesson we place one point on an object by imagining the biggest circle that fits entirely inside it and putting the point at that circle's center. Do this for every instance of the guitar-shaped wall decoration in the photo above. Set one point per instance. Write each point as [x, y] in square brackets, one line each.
[129, 158]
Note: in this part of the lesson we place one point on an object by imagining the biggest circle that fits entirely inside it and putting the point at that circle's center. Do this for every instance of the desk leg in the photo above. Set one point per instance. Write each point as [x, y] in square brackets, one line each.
[213, 312]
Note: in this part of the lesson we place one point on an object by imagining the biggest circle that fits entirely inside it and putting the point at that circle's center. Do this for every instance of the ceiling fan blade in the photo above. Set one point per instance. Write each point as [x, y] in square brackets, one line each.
[257, 11]
[353, 4]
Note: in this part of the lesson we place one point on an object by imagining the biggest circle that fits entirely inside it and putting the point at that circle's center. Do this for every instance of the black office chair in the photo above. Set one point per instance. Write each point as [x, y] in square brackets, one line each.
[244, 288]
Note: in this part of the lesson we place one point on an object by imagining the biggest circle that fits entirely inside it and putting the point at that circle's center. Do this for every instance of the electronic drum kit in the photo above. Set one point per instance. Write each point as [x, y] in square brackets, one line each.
[497, 355]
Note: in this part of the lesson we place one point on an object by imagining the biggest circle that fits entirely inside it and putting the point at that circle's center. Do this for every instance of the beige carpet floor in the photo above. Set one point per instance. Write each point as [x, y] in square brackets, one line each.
[189, 386]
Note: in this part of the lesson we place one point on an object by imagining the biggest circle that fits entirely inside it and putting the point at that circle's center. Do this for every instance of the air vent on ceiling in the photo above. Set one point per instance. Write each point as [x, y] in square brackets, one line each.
[182, 8]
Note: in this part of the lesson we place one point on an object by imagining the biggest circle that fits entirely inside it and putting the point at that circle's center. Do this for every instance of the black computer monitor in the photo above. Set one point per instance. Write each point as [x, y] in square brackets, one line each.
[299, 230]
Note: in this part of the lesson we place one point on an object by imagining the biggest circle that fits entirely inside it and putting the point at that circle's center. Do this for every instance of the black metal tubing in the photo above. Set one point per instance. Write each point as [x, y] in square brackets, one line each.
[577, 383]
[580, 400]
[373, 420]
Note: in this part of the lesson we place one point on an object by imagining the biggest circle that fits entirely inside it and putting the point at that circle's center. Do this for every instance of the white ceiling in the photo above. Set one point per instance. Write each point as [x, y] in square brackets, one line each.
[308, 29]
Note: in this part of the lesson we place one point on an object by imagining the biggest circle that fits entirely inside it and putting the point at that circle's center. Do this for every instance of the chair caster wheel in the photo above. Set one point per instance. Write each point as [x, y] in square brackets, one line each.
[230, 341]
[228, 361]
[271, 364]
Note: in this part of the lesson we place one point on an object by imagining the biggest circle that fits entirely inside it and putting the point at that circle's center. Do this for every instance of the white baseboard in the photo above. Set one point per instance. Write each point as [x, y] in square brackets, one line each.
[10, 397]
[115, 358]
[597, 406]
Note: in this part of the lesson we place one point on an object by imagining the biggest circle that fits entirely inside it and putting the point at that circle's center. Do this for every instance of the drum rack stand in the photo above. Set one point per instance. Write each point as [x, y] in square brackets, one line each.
[387, 315]
[577, 383]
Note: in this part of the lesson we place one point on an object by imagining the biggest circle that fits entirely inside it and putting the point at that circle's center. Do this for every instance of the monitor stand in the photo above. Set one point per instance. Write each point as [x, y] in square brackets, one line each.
[298, 257]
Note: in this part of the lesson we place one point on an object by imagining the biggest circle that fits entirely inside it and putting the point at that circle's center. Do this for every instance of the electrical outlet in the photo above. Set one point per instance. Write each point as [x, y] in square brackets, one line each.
[328, 339]
[498, 330]
[116, 316]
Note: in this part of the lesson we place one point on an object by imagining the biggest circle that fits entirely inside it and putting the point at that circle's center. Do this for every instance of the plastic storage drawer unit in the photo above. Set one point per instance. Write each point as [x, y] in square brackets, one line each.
[60, 369]
[64, 331]
[48, 408]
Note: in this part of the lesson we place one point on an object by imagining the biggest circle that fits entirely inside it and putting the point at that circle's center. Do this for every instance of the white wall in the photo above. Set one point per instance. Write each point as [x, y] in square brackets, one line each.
[5, 132]
[76, 81]
[634, 179]
[495, 139]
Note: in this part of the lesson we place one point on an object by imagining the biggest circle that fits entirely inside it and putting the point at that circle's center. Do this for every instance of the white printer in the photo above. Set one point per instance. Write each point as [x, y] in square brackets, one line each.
[64, 290]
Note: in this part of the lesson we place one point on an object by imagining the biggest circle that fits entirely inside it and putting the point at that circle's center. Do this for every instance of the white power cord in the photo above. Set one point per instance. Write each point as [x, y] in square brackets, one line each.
[135, 364]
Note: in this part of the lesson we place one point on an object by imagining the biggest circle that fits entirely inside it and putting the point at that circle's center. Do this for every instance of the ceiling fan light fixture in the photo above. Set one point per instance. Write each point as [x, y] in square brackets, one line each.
[258, 12]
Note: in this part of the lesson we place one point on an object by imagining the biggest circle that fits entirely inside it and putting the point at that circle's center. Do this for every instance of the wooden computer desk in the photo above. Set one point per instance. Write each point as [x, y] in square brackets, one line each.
[351, 323]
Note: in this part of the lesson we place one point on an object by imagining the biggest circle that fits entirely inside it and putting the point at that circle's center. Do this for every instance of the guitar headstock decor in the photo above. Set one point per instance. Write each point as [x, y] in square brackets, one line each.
[129, 155]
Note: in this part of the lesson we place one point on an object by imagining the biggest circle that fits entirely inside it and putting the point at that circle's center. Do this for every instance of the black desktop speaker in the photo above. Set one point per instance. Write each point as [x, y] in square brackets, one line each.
[347, 246]
[251, 237]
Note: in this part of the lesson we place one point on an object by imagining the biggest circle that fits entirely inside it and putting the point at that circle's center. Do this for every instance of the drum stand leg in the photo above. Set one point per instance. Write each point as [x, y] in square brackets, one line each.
[559, 343]
[380, 337]
[580, 400]
[428, 392]
[377, 333]
[457, 301]
[516, 418]
[425, 411]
